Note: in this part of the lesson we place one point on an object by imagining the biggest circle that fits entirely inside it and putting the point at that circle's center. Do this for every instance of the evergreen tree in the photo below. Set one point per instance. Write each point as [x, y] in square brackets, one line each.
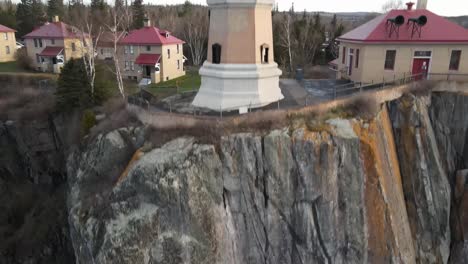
[76, 12]
[7, 14]
[73, 88]
[98, 5]
[138, 14]
[29, 14]
[186, 9]
[55, 8]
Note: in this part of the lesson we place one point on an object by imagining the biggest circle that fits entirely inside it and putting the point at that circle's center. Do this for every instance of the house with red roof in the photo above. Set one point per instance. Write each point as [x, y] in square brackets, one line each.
[152, 54]
[105, 44]
[402, 43]
[52, 44]
[7, 44]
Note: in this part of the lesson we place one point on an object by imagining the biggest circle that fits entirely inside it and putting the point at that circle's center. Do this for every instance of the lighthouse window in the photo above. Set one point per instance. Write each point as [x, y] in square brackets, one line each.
[265, 50]
[216, 53]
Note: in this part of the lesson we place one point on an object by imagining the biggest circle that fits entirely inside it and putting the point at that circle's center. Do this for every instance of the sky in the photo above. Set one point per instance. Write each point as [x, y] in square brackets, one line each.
[440, 7]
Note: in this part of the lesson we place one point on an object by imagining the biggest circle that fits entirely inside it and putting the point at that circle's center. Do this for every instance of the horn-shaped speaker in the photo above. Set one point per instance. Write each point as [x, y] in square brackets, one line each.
[399, 20]
[422, 20]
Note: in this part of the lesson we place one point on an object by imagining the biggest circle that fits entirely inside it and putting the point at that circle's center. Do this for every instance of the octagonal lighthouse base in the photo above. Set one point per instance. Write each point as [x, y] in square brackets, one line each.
[227, 87]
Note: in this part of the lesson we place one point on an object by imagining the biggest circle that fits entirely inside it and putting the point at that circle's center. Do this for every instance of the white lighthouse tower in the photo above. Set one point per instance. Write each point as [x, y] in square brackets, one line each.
[239, 71]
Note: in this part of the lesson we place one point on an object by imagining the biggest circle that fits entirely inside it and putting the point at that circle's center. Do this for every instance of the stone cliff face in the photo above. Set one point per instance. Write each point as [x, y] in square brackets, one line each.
[345, 191]
[450, 122]
[33, 218]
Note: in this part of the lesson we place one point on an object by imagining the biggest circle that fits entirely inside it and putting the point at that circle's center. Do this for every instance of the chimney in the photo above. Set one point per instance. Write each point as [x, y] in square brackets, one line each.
[409, 6]
[422, 4]
[55, 19]
[146, 22]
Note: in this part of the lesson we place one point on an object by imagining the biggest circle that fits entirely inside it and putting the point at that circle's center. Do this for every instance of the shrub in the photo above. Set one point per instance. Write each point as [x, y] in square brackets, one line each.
[422, 88]
[103, 85]
[365, 107]
[88, 120]
[23, 60]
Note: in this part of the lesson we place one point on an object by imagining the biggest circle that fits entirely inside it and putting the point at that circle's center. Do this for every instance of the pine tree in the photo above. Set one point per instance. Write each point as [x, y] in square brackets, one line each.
[138, 14]
[7, 14]
[29, 14]
[55, 8]
[73, 88]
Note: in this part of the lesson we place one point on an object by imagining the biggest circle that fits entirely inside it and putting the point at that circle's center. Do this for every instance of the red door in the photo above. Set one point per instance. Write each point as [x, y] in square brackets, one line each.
[420, 68]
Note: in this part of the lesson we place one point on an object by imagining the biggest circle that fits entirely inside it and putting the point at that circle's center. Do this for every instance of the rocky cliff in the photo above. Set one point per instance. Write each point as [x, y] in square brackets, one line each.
[33, 219]
[337, 191]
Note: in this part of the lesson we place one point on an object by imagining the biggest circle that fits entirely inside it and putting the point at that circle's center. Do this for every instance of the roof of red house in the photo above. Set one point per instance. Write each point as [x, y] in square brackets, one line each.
[55, 30]
[150, 36]
[51, 51]
[107, 38]
[4, 29]
[147, 59]
[437, 29]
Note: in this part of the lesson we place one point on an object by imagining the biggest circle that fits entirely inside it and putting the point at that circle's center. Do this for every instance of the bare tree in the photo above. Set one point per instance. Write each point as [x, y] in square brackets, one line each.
[285, 39]
[120, 19]
[392, 4]
[89, 50]
[195, 33]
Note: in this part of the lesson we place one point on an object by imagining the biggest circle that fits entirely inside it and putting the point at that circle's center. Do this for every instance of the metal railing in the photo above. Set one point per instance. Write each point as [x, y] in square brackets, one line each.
[333, 93]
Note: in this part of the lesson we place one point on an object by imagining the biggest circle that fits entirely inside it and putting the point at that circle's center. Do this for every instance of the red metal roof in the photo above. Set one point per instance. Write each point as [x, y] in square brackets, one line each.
[4, 29]
[150, 36]
[147, 59]
[437, 29]
[51, 51]
[55, 30]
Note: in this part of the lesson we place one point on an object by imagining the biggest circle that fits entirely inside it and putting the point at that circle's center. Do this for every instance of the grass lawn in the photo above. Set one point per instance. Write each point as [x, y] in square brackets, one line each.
[191, 81]
[10, 67]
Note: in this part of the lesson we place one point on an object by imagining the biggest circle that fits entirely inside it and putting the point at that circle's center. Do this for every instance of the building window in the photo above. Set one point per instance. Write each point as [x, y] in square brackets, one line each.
[216, 52]
[35, 43]
[5, 36]
[73, 46]
[7, 49]
[390, 59]
[148, 48]
[38, 58]
[178, 49]
[357, 58]
[132, 66]
[126, 50]
[168, 53]
[131, 49]
[343, 54]
[178, 64]
[126, 66]
[264, 53]
[422, 53]
[102, 51]
[40, 43]
[52, 41]
[455, 60]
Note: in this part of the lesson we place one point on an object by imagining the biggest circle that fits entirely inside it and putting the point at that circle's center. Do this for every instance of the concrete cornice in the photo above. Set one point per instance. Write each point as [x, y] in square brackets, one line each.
[240, 3]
